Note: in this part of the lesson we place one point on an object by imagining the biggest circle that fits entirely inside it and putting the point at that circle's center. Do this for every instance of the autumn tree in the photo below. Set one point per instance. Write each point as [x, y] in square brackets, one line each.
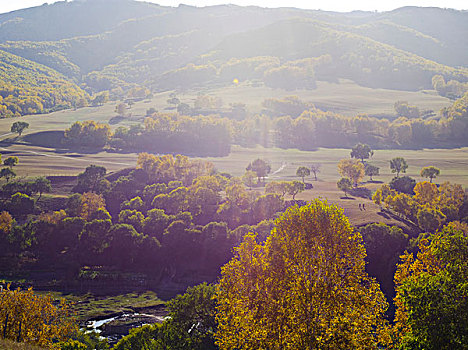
[302, 172]
[19, 127]
[345, 185]
[431, 295]
[398, 165]
[32, 318]
[431, 172]
[89, 204]
[352, 169]
[260, 167]
[371, 170]
[89, 179]
[361, 151]
[304, 288]
[280, 187]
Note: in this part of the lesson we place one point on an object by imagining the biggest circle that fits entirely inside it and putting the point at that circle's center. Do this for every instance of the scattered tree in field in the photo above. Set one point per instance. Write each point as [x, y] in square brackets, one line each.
[345, 185]
[7, 173]
[31, 318]
[11, 162]
[294, 187]
[431, 296]
[249, 178]
[315, 169]
[87, 134]
[120, 109]
[431, 172]
[352, 169]
[302, 171]
[260, 167]
[100, 98]
[291, 279]
[398, 165]
[19, 127]
[372, 170]
[361, 151]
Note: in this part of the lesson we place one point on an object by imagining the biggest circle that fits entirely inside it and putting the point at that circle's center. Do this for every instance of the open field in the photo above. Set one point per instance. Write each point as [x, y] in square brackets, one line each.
[346, 97]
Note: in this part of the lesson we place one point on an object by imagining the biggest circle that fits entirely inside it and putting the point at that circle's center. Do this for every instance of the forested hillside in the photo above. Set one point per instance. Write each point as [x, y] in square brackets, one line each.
[30, 88]
[119, 44]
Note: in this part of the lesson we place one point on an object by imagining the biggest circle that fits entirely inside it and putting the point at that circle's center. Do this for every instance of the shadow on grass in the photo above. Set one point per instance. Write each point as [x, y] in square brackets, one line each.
[348, 198]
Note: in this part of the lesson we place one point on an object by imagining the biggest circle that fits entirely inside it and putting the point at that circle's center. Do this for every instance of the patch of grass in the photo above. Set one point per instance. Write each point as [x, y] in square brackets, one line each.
[88, 306]
[6, 344]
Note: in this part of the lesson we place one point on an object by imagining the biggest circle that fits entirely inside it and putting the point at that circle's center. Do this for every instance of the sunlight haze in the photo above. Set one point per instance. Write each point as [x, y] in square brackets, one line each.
[335, 5]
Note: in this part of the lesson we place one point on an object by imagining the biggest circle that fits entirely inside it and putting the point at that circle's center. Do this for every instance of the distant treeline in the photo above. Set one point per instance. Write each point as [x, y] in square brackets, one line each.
[287, 123]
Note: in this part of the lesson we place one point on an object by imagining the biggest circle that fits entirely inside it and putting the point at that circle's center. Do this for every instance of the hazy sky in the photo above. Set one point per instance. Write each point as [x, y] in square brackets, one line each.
[331, 5]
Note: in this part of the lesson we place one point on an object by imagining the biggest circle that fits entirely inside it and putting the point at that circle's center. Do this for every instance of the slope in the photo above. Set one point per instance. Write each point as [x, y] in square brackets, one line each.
[29, 88]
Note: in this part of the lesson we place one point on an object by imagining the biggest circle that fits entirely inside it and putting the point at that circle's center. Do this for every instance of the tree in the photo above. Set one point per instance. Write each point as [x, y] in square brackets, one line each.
[192, 320]
[431, 295]
[404, 184]
[304, 288]
[89, 204]
[7, 173]
[315, 168]
[372, 170]
[294, 187]
[10, 162]
[345, 185]
[352, 169]
[430, 219]
[89, 179]
[361, 151]
[120, 109]
[398, 165]
[32, 318]
[19, 127]
[302, 171]
[249, 178]
[41, 185]
[431, 172]
[260, 167]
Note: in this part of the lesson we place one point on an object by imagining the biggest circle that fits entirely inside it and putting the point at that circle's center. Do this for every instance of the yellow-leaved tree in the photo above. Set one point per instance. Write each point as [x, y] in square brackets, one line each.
[32, 318]
[304, 288]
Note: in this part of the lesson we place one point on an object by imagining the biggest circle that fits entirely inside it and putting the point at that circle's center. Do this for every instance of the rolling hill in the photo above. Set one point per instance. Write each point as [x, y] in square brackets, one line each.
[118, 44]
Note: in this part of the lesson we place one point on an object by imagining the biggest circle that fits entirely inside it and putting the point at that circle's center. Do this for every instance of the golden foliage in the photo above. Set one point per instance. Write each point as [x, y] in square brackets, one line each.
[32, 318]
[91, 203]
[352, 169]
[304, 288]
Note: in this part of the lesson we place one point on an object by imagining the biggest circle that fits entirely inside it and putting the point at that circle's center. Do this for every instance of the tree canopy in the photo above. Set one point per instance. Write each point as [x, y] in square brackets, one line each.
[305, 287]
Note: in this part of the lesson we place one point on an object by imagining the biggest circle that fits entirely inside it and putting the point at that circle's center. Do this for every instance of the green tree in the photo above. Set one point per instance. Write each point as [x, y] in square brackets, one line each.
[431, 295]
[41, 185]
[361, 151]
[294, 187]
[431, 172]
[7, 173]
[398, 165]
[89, 179]
[304, 288]
[302, 171]
[10, 162]
[404, 184]
[345, 185]
[260, 167]
[372, 170]
[19, 127]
